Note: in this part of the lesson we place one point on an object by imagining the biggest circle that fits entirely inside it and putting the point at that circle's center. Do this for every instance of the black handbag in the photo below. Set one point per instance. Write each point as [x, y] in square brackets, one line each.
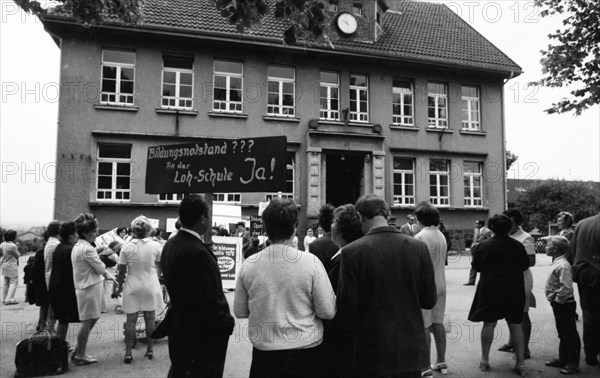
[41, 354]
[108, 262]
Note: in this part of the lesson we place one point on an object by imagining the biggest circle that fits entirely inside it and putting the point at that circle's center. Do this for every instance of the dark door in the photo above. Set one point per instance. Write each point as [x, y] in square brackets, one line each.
[344, 175]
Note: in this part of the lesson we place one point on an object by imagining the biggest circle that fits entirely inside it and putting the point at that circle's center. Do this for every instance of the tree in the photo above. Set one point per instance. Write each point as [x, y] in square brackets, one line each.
[541, 204]
[574, 58]
[307, 18]
[511, 158]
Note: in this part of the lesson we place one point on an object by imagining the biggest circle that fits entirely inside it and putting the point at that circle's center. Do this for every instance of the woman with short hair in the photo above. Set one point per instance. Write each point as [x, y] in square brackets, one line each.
[287, 291]
[139, 261]
[10, 267]
[500, 292]
[89, 274]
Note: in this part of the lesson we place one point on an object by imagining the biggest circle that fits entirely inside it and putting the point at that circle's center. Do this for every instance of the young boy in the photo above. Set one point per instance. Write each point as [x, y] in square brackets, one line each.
[559, 291]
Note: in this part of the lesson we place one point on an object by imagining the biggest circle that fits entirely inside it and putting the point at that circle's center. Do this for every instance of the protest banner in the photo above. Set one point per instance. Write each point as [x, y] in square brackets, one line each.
[218, 165]
[228, 251]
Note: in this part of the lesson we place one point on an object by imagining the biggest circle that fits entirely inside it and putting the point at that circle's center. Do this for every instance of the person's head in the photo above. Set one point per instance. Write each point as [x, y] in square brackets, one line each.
[214, 231]
[564, 220]
[54, 228]
[320, 230]
[193, 213]
[346, 226]
[442, 226]
[410, 219]
[371, 208]
[480, 223]
[122, 232]
[223, 231]
[516, 217]
[326, 217]
[309, 232]
[279, 219]
[86, 226]
[557, 246]
[141, 227]
[427, 215]
[10, 235]
[177, 224]
[157, 233]
[500, 224]
[68, 234]
[240, 226]
[115, 246]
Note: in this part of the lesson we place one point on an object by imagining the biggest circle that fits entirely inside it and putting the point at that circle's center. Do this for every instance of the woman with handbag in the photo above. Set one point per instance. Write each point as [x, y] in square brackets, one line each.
[10, 267]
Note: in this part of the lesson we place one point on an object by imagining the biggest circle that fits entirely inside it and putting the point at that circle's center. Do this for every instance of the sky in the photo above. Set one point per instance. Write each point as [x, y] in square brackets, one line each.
[548, 146]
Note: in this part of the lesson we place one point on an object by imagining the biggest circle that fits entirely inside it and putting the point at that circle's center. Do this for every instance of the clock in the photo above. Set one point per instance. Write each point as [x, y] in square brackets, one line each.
[346, 23]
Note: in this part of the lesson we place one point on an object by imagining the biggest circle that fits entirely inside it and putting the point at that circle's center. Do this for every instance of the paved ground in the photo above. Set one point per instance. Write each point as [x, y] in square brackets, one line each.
[106, 341]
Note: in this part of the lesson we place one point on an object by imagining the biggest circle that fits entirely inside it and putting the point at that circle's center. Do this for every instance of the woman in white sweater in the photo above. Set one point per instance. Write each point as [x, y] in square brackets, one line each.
[284, 293]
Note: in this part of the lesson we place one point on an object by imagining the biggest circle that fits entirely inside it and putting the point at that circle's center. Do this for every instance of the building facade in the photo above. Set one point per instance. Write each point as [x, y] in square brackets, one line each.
[408, 106]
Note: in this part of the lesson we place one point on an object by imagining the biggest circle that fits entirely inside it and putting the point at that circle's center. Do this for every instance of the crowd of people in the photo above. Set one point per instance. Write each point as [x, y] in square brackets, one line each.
[363, 299]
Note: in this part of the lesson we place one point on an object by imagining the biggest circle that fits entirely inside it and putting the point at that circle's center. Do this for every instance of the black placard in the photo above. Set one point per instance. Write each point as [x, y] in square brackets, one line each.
[218, 165]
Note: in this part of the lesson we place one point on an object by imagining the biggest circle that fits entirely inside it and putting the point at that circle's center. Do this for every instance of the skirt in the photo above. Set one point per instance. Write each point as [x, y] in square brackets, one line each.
[90, 301]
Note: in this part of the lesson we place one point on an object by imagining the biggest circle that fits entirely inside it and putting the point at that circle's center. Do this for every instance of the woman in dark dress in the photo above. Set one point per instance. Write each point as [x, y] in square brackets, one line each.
[62, 288]
[500, 292]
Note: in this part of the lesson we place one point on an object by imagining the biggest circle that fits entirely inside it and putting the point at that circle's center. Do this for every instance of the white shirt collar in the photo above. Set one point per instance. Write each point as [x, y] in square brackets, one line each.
[336, 254]
[191, 232]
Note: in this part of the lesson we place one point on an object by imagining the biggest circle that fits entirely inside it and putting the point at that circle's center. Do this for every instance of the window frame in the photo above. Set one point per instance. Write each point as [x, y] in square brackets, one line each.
[403, 119]
[439, 200]
[228, 198]
[119, 66]
[437, 122]
[177, 97]
[289, 167]
[280, 107]
[170, 197]
[357, 9]
[329, 114]
[228, 76]
[469, 124]
[358, 116]
[469, 177]
[114, 175]
[403, 199]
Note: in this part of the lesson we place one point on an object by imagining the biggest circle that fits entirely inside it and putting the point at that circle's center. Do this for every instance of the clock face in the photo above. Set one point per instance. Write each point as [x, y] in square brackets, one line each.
[347, 23]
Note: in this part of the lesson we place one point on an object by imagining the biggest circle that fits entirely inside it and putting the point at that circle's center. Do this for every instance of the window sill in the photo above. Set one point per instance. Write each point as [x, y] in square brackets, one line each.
[402, 127]
[330, 122]
[130, 204]
[281, 119]
[472, 132]
[435, 130]
[192, 113]
[228, 115]
[117, 108]
[360, 124]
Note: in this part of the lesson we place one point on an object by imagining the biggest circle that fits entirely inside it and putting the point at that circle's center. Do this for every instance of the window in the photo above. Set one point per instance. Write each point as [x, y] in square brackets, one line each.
[227, 83]
[439, 190]
[170, 197]
[472, 181]
[333, 6]
[437, 103]
[235, 198]
[114, 172]
[290, 158]
[281, 89]
[359, 98]
[402, 103]
[357, 9]
[329, 95]
[404, 181]
[177, 82]
[470, 108]
[118, 77]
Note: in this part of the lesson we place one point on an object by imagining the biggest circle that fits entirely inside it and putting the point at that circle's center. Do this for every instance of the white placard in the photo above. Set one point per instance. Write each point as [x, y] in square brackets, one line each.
[228, 251]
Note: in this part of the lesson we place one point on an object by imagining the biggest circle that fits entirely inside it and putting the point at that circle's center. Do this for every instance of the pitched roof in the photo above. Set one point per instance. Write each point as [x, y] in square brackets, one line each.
[417, 31]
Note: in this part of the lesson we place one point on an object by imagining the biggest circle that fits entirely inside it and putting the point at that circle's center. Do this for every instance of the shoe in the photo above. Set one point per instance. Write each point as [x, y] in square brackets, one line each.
[441, 367]
[149, 355]
[592, 361]
[527, 355]
[506, 348]
[556, 363]
[469, 284]
[8, 303]
[78, 361]
[427, 373]
[569, 370]
[128, 358]
[484, 366]
[520, 370]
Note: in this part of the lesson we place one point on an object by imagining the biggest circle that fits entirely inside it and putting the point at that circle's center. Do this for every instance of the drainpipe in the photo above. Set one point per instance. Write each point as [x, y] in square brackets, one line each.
[502, 118]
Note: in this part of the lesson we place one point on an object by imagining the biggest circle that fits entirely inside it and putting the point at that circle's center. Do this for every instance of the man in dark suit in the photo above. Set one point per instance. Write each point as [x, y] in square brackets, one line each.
[585, 246]
[410, 228]
[386, 278]
[480, 233]
[199, 323]
[241, 232]
[324, 248]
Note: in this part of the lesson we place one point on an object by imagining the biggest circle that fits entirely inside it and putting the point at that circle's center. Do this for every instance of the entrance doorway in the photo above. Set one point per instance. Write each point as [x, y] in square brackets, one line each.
[343, 178]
